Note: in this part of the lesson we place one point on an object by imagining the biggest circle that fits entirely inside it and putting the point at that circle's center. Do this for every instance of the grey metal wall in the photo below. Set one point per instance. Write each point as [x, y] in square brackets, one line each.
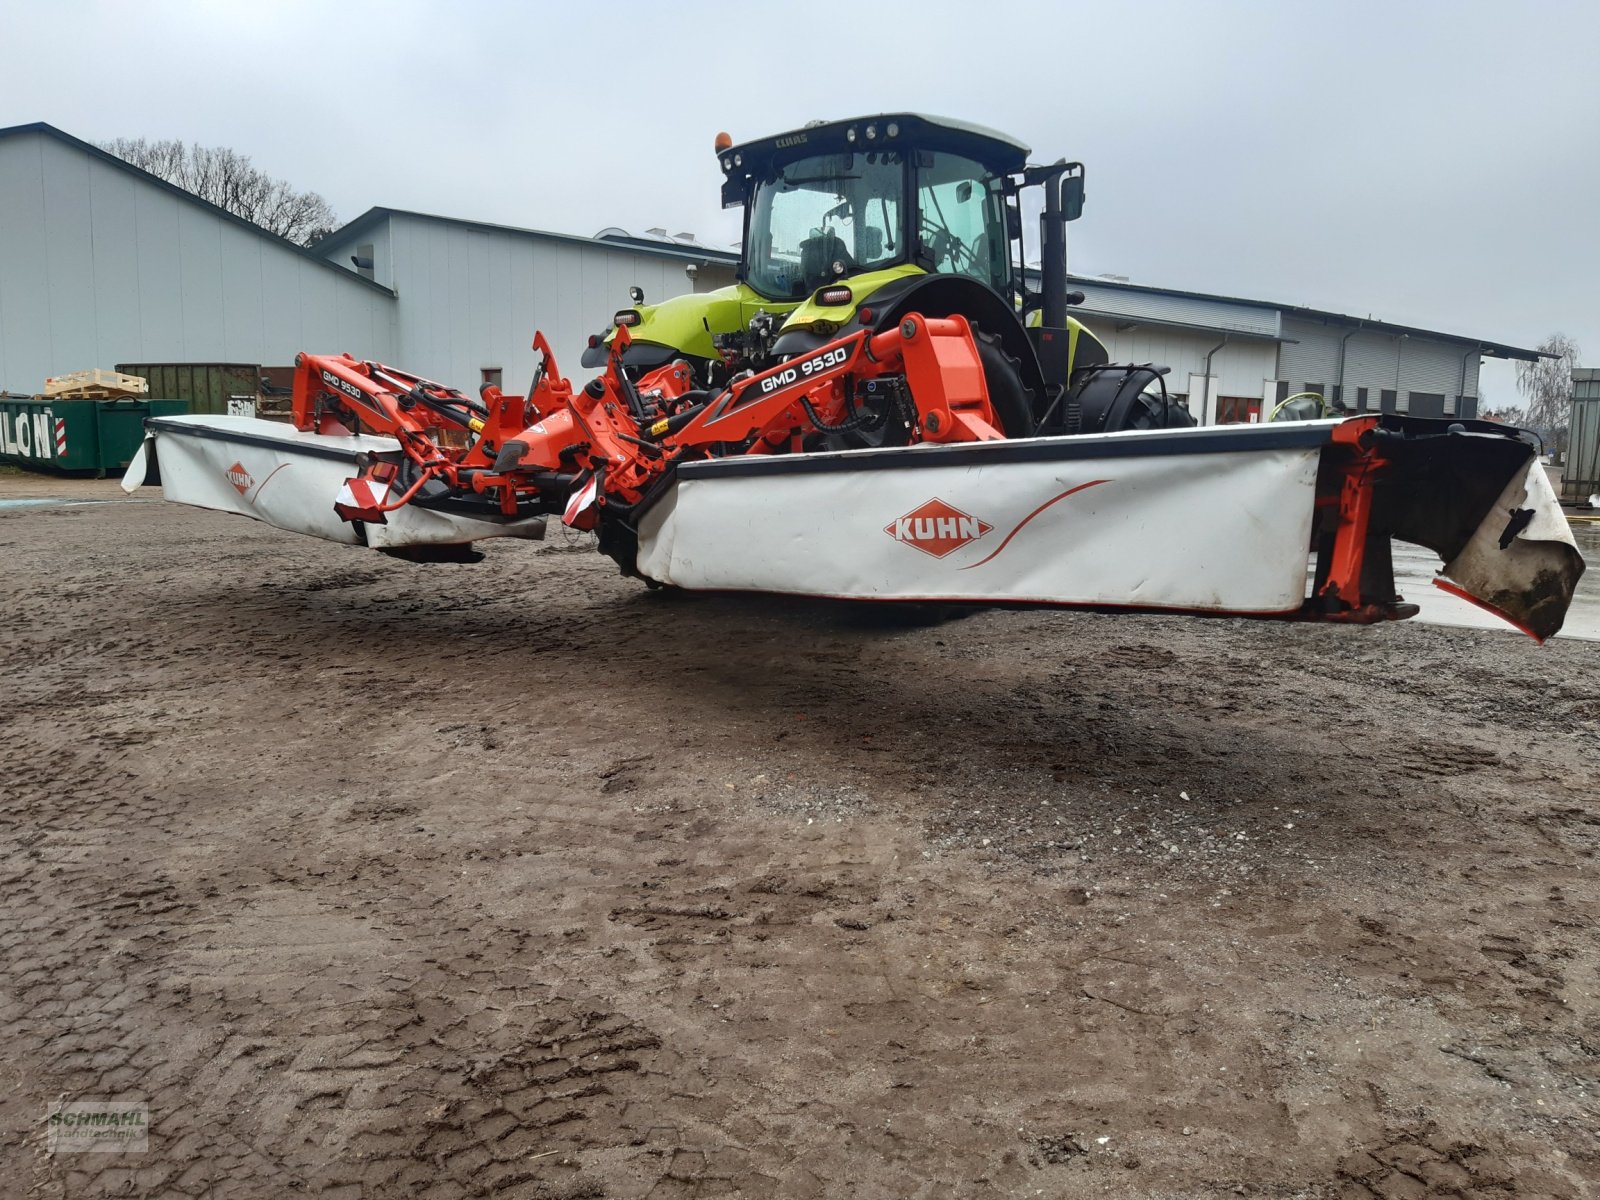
[1312, 356]
[1108, 299]
[471, 298]
[340, 253]
[1240, 367]
[99, 266]
[1371, 361]
[1379, 361]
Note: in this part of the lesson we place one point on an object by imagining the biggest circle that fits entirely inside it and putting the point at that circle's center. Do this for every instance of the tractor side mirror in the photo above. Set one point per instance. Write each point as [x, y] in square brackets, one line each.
[1013, 222]
[1071, 197]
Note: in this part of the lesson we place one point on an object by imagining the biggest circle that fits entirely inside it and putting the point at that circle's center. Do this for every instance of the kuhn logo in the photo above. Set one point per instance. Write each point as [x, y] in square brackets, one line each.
[936, 528]
[240, 478]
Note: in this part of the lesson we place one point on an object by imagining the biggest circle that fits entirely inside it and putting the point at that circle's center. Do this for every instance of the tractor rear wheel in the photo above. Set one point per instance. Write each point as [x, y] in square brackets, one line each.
[1008, 396]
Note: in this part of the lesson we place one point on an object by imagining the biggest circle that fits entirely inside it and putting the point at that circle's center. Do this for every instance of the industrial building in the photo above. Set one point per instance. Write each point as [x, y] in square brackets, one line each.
[1233, 359]
[103, 264]
[469, 296]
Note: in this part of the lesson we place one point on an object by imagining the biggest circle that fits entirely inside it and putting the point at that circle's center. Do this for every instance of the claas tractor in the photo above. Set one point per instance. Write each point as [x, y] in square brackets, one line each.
[854, 224]
[888, 406]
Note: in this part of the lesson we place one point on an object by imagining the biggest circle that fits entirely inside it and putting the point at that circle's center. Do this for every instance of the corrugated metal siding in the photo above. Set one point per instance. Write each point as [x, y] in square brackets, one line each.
[1580, 478]
[339, 253]
[1240, 367]
[712, 276]
[1375, 361]
[24, 308]
[1179, 310]
[1313, 355]
[472, 298]
[1369, 362]
[1431, 366]
[98, 266]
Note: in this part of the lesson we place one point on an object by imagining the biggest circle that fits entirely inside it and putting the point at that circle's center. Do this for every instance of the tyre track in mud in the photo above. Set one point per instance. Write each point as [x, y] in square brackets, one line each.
[381, 880]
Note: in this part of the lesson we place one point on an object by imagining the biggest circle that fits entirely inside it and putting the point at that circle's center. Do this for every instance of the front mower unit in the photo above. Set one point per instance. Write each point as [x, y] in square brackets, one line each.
[717, 489]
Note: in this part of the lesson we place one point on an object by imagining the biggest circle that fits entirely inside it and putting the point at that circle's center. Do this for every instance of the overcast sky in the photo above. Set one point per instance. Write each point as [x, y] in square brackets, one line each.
[1432, 163]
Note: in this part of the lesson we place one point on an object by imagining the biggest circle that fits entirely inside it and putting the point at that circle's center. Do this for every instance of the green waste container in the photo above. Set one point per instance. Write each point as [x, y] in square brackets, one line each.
[208, 387]
[76, 435]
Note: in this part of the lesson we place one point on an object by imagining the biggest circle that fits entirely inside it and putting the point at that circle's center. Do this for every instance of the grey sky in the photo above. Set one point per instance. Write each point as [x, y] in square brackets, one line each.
[1436, 163]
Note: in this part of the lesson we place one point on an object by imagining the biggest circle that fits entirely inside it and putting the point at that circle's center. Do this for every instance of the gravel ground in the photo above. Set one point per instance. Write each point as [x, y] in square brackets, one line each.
[373, 879]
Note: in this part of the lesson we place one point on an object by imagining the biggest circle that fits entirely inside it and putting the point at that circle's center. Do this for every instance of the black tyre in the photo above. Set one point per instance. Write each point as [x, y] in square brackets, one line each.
[1008, 395]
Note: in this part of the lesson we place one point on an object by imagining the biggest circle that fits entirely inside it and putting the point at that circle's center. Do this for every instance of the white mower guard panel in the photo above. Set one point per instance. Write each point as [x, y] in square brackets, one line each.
[291, 479]
[1206, 520]
[1161, 519]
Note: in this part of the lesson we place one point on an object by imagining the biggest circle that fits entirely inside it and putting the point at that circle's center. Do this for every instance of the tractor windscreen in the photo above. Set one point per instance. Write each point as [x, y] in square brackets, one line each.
[822, 217]
[960, 219]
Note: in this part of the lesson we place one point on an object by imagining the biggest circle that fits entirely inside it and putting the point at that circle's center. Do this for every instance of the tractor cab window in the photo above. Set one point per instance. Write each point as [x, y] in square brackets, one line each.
[817, 212]
[960, 221]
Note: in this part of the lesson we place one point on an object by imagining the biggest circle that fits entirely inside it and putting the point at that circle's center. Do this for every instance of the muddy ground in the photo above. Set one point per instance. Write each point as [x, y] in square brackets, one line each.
[513, 879]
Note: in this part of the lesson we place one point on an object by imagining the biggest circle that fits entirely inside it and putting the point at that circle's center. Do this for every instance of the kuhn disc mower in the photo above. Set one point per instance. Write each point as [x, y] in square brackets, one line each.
[880, 410]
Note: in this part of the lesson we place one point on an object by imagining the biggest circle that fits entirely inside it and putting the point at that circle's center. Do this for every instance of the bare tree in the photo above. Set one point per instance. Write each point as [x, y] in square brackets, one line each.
[229, 180]
[1505, 414]
[1509, 414]
[1546, 384]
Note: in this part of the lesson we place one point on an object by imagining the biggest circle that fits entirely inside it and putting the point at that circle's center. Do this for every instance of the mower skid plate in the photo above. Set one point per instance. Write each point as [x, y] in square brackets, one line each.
[291, 479]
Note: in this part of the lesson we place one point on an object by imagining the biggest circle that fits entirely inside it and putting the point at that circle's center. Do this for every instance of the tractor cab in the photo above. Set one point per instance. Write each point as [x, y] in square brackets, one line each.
[859, 223]
[874, 199]
[867, 219]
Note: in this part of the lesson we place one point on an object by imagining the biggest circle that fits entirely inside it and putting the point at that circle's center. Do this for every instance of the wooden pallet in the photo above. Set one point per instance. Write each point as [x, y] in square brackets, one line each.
[95, 384]
[89, 394]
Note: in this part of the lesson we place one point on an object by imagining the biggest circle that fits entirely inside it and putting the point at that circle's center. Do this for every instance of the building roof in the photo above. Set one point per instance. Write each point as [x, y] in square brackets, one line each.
[104, 156]
[675, 250]
[1490, 349]
[655, 240]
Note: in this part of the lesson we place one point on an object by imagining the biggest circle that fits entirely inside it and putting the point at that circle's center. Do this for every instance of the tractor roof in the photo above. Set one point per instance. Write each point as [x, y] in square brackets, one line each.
[999, 153]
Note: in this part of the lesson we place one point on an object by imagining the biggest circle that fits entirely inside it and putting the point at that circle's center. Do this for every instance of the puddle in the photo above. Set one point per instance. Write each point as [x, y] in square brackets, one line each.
[1414, 569]
[61, 502]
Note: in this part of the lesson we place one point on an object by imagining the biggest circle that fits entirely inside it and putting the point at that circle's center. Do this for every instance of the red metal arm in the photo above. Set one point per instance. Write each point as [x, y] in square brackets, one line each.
[627, 433]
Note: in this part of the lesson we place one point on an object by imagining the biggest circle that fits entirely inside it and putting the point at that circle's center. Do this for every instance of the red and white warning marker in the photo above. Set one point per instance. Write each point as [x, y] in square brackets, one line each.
[362, 499]
[582, 511]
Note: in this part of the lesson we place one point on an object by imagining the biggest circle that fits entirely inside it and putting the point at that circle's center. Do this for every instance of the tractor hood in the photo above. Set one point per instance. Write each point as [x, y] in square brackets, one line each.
[813, 314]
[686, 324]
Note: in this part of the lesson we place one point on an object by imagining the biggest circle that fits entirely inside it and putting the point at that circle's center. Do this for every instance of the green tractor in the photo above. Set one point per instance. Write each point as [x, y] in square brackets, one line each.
[853, 224]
